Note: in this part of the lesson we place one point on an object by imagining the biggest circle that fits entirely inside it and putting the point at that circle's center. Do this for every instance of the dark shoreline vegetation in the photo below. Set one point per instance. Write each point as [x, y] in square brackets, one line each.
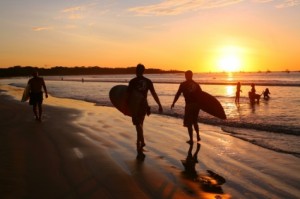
[20, 71]
[25, 71]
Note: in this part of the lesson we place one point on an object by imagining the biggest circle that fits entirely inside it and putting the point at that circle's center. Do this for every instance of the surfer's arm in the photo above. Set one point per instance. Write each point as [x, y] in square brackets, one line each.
[176, 97]
[175, 100]
[45, 88]
[156, 99]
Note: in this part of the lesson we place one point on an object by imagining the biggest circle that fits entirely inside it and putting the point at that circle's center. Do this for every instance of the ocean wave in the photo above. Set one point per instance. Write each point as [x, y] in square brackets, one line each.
[273, 141]
[207, 119]
[204, 82]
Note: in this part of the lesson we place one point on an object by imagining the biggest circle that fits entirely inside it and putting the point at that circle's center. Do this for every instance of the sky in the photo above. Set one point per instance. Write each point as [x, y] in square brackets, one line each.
[198, 35]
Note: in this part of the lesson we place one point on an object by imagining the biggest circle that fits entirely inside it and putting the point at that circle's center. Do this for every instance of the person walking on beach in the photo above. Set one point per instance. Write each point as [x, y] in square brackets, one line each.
[191, 91]
[36, 84]
[237, 93]
[142, 85]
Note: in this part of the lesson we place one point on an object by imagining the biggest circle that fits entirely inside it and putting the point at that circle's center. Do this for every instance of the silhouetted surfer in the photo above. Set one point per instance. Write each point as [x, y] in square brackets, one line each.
[36, 85]
[142, 85]
[191, 90]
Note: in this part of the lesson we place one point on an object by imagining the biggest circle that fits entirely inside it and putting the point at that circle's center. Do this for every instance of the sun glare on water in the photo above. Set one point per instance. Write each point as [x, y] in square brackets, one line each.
[229, 60]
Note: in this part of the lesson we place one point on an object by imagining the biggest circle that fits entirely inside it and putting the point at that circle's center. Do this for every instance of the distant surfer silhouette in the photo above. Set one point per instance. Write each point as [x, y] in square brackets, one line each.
[266, 94]
[191, 90]
[36, 84]
[142, 85]
[237, 93]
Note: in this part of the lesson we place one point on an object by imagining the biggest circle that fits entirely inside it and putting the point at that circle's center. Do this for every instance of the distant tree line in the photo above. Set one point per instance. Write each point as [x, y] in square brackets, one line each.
[17, 71]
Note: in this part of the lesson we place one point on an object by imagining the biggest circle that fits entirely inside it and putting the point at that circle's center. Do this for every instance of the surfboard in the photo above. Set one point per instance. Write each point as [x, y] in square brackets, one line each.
[25, 95]
[129, 104]
[211, 105]
[126, 104]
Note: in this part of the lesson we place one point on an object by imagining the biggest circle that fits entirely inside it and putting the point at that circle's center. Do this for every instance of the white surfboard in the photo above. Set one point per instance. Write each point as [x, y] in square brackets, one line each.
[25, 95]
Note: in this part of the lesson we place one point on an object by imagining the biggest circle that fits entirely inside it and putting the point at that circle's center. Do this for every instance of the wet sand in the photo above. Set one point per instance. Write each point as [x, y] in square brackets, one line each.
[80, 150]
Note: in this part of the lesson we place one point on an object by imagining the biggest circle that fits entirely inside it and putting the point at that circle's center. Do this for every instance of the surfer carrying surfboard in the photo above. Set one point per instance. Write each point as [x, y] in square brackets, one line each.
[141, 85]
[36, 84]
[191, 90]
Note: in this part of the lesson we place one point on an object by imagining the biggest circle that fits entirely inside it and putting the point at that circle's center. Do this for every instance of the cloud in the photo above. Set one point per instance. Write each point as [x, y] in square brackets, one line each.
[288, 3]
[75, 12]
[41, 28]
[176, 7]
[263, 1]
[73, 9]
[282, 3]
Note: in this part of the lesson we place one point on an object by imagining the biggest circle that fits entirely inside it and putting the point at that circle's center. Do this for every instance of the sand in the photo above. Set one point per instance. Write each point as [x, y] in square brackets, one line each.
[80, 150]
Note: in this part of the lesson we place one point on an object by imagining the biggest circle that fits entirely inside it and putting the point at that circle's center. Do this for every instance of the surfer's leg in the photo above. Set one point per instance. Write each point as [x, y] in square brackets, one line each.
[195, 121]
[34, 108]
[187, 122]
[40, 111]
[196, 127]
[140, 135]
[190, 131]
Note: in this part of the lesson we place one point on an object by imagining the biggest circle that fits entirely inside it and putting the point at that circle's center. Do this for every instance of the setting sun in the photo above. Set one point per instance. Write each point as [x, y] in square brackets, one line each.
[229, 63]
[229, 60]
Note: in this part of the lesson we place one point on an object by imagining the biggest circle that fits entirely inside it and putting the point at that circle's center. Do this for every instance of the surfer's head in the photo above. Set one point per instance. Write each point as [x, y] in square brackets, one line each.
[189, 75]
[140, 68]
[35, 73]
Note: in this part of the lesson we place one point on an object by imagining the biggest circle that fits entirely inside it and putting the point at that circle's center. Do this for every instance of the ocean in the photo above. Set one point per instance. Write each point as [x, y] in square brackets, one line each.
[272, 124]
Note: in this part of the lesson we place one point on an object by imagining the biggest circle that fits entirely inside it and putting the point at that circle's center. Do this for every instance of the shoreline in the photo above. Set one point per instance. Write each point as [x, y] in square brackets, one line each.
[165, 82]
[83, 150]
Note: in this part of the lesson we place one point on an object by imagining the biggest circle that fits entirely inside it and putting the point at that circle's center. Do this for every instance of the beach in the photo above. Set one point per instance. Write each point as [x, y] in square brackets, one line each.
[81, 150]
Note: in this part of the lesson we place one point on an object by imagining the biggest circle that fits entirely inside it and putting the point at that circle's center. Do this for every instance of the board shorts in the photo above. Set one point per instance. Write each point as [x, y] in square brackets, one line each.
[36, 98]
[191, 113]
[139, 116]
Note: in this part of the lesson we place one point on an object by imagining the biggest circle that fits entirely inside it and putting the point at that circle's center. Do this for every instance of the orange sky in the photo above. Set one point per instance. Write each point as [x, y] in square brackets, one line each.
[204, 36]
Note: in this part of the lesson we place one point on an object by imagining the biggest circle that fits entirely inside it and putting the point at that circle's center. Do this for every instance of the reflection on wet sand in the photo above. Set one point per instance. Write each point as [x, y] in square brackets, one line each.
[140, 153]
[209, 183]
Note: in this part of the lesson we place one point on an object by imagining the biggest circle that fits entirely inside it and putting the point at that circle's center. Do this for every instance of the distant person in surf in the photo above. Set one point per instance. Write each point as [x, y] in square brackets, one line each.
[252, 94]
[142, 85]
[266, 94]
[237, 93]
[253, 90]
[190, 90]
[36, 84]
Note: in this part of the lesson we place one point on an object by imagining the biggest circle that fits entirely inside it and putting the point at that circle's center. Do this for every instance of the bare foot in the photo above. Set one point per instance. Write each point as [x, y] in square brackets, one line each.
[190, 142]
[198, 138]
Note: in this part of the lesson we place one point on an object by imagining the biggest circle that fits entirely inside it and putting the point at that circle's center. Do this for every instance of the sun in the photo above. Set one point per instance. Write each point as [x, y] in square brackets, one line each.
[229, 60]
[229, 63]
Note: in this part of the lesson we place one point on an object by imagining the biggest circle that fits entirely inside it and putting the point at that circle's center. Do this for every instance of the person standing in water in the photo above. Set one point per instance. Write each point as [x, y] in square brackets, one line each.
[142, 85]
[237, 93]
[191, 91]
[266, 94]
[36, 84]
